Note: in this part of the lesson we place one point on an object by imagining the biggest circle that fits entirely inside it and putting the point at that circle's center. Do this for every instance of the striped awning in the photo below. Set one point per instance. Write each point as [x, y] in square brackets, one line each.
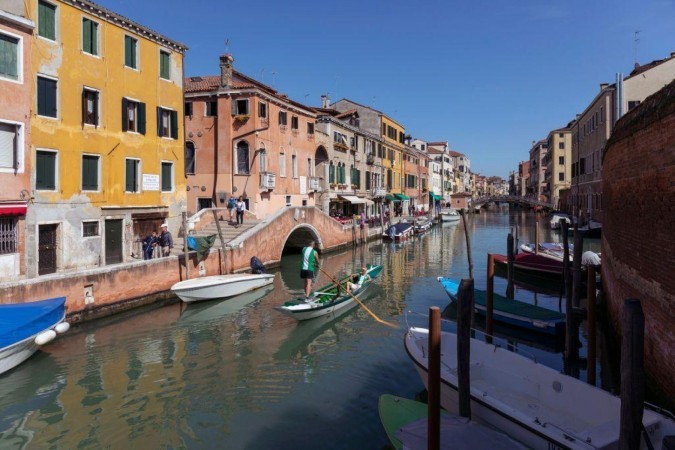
[13, 209]
[354, 200]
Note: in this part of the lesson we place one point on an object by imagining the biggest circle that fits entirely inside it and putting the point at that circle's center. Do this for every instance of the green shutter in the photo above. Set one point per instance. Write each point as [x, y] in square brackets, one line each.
[130, 180]
[166, 177]
[86, 35]
[9, 63]
[89, 172]
[331, 174]
[130, 52]
[47, 20]
[94, 37]
[46, 97]
[141, 118]
[125, 114]
[164, 70]
[159, 121]
[45, 174]
[174, 124]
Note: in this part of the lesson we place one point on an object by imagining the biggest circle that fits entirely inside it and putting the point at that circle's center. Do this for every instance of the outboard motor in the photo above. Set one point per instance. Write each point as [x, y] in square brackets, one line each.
[257, 266]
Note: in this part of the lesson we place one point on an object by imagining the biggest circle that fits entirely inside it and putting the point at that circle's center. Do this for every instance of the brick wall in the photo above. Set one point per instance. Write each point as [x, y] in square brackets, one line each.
[637, 242]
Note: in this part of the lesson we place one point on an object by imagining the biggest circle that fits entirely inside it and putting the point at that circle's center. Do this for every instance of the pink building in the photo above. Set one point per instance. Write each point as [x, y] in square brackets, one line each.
[15, 106]
[246, 139]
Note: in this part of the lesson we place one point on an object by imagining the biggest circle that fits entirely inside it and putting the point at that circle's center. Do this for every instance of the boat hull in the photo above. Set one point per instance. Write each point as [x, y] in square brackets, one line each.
[532, 403]
[219, 286]
[533, 263]
[446, 217]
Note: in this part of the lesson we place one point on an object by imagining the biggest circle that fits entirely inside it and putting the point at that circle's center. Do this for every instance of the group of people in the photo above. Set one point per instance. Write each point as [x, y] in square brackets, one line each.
[163, 240]
[238, 206]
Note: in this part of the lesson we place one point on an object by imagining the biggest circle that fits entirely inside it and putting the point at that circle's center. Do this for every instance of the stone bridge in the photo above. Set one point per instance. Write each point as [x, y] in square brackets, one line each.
[515, 199]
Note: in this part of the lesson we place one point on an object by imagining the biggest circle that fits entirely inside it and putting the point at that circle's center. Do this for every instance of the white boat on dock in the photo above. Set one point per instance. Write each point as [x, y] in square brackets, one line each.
[449, 215]
[530, 402]
[220, 286]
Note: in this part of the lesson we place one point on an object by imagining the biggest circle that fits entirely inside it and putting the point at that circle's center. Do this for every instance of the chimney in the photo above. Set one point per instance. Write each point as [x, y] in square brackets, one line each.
[226, 61]
[603, 86]
[325, 102]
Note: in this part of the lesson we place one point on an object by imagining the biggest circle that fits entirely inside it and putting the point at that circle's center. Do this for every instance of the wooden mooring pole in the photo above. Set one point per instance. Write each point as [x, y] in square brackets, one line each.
[510, 258]
[434, 381]
[576, 267]
[591, 319]
[464, 314]
[570, 336]
[632, 374]
[468, 244]
[489, 298]
[536, 234]
[186, 252]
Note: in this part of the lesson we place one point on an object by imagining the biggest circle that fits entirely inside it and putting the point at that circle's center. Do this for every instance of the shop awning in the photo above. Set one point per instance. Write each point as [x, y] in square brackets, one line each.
[354, 200]
[435, 196]
[392, 198]
[13, 209]
[402, 197]
[369, 201]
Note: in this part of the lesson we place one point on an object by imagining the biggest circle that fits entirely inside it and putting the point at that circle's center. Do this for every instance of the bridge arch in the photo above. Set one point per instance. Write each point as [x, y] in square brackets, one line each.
[299, 236]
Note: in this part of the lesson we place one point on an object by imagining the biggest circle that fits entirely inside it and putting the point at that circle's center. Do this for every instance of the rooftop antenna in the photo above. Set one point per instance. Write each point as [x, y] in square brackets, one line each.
[227, 45]
[635, 46]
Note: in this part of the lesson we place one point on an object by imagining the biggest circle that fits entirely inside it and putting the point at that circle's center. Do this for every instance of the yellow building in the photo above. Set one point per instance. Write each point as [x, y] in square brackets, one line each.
[106, 136]
[394, 136]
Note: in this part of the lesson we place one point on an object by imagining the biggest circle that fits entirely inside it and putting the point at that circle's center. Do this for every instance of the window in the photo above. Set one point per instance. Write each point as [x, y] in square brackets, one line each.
[288, 201]
[282, 118]
[282, 164]
[190, 158]
[10, 57]
[211, 109]
[262, 158]
[90, 171]
[561, 176]
[310, 127]
[90, 228]
[8, 235]
[167, 123]
[262, 110]
[164, 65]
[632, 104]
[294, 122]
[46, 97]
[240, 107]
[132, 175]
[331, 173]
[131, 52]
[243, 166]
[188, 108]
[90, 107]
[89, 36]
[45, 170]
[294, 166]
[561, 160]
[11, 147]
[561, 145]
[46, 20]
[133, 116]
[167, 176]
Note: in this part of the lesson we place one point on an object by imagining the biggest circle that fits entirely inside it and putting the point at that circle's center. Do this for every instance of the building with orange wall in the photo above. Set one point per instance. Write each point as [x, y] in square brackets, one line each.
[15, 94]
[244, 138]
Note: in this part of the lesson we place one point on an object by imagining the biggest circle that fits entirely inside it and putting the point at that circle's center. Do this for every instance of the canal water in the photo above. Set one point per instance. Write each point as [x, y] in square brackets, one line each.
[240, 375]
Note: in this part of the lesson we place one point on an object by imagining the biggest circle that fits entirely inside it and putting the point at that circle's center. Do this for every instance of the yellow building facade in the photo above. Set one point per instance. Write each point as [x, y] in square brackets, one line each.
[107, 137]
[394, 135]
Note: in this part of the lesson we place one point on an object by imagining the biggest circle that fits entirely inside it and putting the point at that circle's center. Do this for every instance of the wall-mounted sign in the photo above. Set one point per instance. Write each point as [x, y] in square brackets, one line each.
[150, 182]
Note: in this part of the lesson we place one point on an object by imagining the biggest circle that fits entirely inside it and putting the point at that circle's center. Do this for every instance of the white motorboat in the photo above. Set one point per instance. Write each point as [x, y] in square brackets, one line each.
[530, 402]
[557, 218]
[553, 250]
[219, 286]
[25, 327]
[449, 215]
[422, 225]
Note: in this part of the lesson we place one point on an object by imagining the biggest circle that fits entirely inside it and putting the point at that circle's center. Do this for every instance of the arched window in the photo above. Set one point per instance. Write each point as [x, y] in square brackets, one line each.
[243, 166]
[190, 157]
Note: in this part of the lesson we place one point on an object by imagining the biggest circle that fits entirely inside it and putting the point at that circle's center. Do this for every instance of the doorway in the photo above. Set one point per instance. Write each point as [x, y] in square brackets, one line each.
[113, 241]
[47, 249]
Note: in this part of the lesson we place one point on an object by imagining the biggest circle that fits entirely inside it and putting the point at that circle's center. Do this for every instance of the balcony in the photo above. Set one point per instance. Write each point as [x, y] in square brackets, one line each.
[314, 184]
[267, 181]
[379, 192]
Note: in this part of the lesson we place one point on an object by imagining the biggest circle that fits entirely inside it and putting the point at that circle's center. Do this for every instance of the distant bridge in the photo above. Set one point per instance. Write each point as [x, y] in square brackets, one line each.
[515, 199]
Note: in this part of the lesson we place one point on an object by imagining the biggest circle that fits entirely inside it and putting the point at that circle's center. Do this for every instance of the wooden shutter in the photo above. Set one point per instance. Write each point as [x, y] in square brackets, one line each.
[9, 62]
[84, 106]
[86, 35]
[47, 20]
[89, 172]
[8, 143]
[46, 170]
[129, 175]
[159, 121]
[166, 177]
[174, 124]
[140, 110]
[125, 114]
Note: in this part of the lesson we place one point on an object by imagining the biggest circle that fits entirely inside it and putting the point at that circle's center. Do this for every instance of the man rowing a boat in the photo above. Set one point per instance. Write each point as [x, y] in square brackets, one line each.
[310, 262]
[360, 279]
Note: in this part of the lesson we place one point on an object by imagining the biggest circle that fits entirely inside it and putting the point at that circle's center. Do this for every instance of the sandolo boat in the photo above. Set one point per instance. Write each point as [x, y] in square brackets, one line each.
[328, 298]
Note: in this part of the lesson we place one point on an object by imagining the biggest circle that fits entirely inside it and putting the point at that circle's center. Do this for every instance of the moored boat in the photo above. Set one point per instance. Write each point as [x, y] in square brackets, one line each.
[219, 286]
[554, 250]
[533, 263]
[422, 225]
[557, 218]
[512, 312]
[328, 298]
[399, 231]
[204, 311]
[530, 402]
[24, 327]
[449, 215]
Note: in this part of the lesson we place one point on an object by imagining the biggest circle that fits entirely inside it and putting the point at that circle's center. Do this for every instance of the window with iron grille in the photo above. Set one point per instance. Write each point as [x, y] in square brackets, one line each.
[90, 228]
[8, 235]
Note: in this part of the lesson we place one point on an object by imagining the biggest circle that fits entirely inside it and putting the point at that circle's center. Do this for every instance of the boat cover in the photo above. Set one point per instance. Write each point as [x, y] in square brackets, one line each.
[23, 320]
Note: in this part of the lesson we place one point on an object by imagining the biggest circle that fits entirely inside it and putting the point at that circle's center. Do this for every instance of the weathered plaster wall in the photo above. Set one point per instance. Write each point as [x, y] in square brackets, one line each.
[637, 242]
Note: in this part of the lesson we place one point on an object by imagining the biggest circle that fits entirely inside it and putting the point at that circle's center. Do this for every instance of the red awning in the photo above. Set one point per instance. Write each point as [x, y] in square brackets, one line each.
[13, 209]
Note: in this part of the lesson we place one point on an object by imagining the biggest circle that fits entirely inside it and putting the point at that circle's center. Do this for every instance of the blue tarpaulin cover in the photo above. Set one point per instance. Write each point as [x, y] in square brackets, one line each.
[23, 320]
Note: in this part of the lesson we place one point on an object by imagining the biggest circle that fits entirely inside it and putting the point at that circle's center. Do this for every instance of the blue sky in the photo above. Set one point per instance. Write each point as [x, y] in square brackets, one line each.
[489, 77]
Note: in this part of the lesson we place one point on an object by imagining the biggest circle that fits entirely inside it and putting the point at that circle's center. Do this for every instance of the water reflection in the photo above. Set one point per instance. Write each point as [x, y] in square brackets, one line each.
[238, 374]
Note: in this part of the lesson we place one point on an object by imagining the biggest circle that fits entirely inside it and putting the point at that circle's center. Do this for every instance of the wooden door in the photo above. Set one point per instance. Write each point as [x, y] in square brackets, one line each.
[47, 249]
[113, 241]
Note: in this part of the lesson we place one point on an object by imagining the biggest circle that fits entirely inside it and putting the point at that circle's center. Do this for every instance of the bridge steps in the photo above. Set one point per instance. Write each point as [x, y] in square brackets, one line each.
[229, 229]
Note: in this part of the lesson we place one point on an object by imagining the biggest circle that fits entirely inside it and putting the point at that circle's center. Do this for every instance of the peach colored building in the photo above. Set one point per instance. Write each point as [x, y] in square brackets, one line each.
[244, 138]
[15, 101]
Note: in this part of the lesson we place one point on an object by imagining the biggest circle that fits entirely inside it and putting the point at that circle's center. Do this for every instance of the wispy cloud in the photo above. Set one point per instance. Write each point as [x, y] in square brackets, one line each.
[547, 10]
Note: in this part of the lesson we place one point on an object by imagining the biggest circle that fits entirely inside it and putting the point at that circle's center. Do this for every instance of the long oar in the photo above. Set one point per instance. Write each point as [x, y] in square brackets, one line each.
[337, 283]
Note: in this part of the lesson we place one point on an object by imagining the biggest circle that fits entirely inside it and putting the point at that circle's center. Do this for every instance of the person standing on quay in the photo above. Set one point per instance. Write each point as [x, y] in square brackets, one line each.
[310, 261]
[231, 205]
[241, 207]
[165, 240]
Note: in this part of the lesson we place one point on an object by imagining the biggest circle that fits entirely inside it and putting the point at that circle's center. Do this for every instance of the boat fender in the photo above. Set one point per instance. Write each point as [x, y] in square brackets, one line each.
[45, 337]
[62, 327]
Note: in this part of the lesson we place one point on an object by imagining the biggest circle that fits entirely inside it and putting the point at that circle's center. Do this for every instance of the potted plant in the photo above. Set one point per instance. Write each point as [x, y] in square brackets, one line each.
[241, 117]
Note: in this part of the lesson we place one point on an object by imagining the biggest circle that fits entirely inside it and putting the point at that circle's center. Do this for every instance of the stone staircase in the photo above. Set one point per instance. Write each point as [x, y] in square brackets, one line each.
[229, 230]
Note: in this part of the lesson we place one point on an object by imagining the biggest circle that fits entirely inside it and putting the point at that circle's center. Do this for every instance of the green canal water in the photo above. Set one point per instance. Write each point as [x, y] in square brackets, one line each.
[240, 375]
